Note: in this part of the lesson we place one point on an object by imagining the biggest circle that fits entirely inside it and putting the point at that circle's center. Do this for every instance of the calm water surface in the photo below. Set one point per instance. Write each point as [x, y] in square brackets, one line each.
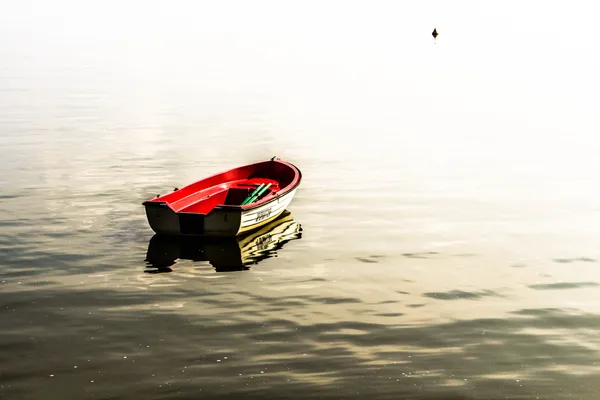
[431, 252]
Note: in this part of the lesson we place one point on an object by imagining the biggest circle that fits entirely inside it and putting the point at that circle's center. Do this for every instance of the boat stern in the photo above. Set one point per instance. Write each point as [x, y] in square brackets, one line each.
[162, 218]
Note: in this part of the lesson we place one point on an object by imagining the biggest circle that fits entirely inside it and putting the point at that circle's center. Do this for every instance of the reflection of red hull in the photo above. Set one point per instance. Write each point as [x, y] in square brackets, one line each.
[213, 206]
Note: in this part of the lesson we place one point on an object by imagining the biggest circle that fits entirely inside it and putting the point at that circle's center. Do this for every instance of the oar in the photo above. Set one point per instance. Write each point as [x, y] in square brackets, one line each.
[256, 196]
[253, 193]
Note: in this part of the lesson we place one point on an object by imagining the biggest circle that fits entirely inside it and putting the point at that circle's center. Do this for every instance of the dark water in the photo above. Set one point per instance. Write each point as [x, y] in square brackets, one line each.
[441, 253]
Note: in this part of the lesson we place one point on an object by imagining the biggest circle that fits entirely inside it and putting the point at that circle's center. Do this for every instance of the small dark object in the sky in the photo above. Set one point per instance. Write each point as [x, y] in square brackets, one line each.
[434, 33]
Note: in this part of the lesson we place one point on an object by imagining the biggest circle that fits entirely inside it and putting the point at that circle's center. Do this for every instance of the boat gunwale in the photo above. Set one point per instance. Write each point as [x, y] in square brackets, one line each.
[243, 208]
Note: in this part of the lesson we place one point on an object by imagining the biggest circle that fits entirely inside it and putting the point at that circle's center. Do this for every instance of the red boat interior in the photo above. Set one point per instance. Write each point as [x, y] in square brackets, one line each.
[231, 188]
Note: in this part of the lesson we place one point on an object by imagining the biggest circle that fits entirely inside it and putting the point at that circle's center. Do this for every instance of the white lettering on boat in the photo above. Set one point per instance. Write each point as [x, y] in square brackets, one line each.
[263, 215]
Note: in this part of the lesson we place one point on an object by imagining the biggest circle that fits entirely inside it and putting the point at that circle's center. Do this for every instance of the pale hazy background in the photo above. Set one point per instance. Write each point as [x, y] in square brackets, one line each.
[450, 201]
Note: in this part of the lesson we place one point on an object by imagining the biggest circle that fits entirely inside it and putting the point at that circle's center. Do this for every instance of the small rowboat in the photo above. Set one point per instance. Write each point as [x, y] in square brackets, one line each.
[226, 204]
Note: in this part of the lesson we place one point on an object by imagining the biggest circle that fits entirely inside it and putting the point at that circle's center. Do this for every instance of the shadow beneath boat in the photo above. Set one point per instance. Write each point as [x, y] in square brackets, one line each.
[224, 254]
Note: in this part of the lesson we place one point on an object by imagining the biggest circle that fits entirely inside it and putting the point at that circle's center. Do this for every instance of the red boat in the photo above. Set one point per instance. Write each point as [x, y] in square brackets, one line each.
[228, 203]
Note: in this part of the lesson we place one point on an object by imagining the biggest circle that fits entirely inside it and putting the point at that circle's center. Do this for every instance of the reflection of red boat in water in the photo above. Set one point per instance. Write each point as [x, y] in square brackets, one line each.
[224, 254]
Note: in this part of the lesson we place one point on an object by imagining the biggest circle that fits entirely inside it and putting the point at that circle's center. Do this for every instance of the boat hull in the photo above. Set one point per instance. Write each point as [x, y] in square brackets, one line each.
[220, 222]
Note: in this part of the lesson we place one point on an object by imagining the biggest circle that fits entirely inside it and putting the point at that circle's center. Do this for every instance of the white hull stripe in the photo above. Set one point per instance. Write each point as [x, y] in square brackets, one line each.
[268, 214]
[265, 212]
[274, 206]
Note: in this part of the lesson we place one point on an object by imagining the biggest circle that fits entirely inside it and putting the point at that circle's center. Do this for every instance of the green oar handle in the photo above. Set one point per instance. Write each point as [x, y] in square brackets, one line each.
[247, 200]
[256, 196]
